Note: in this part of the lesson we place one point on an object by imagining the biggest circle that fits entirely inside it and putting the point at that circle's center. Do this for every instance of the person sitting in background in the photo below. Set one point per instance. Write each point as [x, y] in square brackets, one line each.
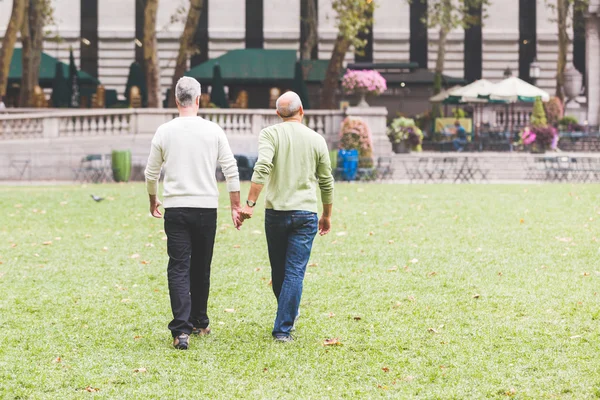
[461, 137]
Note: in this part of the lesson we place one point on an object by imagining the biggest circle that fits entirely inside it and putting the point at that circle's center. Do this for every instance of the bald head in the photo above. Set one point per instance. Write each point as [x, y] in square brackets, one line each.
[288, 105]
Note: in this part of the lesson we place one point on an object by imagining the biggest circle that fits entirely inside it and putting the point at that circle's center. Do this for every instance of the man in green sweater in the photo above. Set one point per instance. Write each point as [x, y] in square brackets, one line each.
[293, 159]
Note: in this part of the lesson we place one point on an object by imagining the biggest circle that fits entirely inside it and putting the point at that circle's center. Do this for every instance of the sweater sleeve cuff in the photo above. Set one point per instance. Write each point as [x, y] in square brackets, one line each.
[152, 187]
[327, 198]
[233, 185]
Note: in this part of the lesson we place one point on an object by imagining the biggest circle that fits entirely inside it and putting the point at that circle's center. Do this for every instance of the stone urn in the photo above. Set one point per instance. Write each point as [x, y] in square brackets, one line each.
[401, 147]
[573, 82]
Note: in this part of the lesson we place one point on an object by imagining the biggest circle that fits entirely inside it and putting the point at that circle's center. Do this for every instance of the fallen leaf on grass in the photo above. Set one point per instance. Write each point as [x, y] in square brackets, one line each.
[586, 274]
[383, 387]
[257, 232]
[125, 300]
[48, 243]
[270, 282]
[576, 337]
[105, 248]
[87, 236]
[411, 298]
[64, 203]
[313, 265]
[522, 221]
[18, 205]
[138, 337]
[230, 310]
[394, 268]
[149, 245]
[134, 256]
[142, 370]
[58, 238]
[332, 342]
[390, 241]
[510, 392]
[564, 239]
[409, 378]
[57, 360]
[13, 245]
[385, 369]
[1, 274]
[91, 389]
[414, 261]
[330, 315]
[432, 273]
[371, 233]
[432, 330]
[357, 318]
[236, 246]
[341, 234]
[476, 296]
[145, 262]
[257, 269]
[164, 238]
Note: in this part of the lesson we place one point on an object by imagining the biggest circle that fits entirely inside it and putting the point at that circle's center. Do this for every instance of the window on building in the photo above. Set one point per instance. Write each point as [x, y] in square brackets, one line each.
[579, 41]
[89, 36]
[304, 26]
[254, 24]
[527, 37]
[367, 52]
[201, 37]
[473, 45]
[139, 30]
[418, 32]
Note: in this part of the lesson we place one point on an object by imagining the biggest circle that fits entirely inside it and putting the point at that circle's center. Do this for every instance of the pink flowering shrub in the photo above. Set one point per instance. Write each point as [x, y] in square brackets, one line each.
[370, 81]
[356, 134]
[528, 136]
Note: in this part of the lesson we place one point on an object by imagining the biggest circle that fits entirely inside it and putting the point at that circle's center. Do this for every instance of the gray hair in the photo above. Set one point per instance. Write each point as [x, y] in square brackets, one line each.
[288, 104]
[187, 91]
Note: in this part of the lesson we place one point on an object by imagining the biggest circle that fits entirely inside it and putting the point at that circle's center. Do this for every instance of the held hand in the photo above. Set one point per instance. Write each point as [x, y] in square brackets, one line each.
[246, 212]
[324, 226]
[236, 218]
[154, 211]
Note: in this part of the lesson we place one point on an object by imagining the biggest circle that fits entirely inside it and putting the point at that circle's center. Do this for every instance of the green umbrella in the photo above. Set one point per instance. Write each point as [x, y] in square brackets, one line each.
[217, 95]
[73, 81]
[136, 78]
[300, 86]
[60, 88]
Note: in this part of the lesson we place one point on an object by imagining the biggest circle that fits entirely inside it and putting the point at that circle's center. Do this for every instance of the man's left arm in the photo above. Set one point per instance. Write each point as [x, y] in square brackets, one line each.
[230, 170]
[152, 174]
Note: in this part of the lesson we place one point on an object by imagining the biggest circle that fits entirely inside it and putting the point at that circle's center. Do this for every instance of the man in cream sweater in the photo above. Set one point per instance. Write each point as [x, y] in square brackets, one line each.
[190, 147]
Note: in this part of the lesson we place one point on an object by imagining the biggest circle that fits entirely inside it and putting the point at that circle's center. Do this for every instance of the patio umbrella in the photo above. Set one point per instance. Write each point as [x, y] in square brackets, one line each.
[514, 89]
[217, 94]
[136, 78]
[476, 92]
[300, 86]
[60, 88]
[443, 95]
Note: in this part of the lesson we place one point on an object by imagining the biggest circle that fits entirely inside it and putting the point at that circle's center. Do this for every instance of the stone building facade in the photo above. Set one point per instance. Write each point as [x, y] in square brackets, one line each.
[103, 34]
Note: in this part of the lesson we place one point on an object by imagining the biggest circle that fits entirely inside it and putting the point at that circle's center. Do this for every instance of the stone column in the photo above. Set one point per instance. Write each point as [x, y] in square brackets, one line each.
[376, 118]
[593, 66]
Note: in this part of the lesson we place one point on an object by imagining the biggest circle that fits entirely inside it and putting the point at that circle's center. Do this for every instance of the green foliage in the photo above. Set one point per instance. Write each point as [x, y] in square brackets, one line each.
[405, 130]
[459, 113]
[398, 289]
[568, 120]
[538, 117]
[554, 110]
[453, 14]
[354, 17]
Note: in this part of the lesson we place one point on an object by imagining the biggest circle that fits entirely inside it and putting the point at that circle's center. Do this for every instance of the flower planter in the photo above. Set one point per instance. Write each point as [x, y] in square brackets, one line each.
[536, 149]
[401, 148]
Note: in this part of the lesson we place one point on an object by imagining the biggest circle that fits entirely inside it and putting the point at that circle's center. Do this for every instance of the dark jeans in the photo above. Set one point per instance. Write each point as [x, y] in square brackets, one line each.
[290, 236]
[190, 241]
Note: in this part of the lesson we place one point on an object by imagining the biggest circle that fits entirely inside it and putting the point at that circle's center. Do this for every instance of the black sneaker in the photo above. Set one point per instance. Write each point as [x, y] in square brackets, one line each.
[283, 339]
[181, 342]
[201, 331]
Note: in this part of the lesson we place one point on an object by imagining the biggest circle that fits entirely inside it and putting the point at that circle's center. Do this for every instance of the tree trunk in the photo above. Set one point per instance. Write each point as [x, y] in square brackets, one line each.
[562, 7]
[436, 111]
[185, 45]
[8, 42]
[150, 55]
[32, 38]
[311, 25]
[332, 76]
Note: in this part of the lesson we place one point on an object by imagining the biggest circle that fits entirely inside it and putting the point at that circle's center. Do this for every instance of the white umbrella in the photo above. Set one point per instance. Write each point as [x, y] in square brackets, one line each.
[443, 95]
[475, 92]
[514, 89]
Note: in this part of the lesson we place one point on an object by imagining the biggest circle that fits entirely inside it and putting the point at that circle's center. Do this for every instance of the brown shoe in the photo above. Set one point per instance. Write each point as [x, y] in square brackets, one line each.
[181, 342]
[201, 331]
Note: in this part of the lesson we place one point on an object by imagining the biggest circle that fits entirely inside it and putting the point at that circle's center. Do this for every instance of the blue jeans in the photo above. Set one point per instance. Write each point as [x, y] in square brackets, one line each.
[290, 236]
[459, 144]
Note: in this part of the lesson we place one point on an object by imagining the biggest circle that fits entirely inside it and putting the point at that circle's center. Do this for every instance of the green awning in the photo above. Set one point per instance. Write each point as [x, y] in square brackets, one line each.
[258, 66]
[47, 70]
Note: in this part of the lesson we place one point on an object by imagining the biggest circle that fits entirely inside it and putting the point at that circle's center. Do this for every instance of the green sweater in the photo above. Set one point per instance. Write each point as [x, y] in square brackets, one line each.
[293, 159]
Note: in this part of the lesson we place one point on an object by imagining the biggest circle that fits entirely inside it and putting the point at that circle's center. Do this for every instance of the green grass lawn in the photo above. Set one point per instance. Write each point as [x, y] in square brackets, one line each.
[434, 292]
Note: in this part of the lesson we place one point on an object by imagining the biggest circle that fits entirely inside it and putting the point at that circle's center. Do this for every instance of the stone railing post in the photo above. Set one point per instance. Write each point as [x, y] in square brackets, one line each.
[50, 127]
[376, 118]
[257, 124]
